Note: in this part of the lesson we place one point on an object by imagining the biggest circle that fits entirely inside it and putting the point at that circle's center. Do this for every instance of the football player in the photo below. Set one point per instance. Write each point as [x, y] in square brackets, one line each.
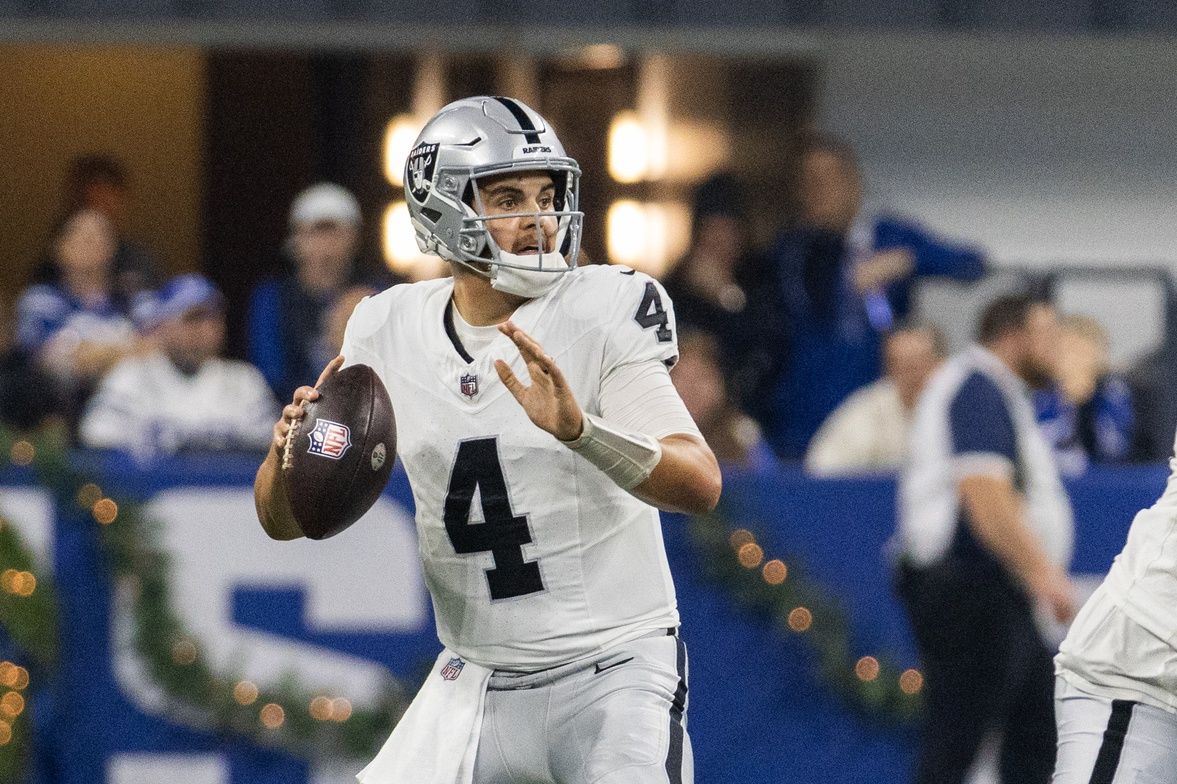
[1116, 672]
[539, 429]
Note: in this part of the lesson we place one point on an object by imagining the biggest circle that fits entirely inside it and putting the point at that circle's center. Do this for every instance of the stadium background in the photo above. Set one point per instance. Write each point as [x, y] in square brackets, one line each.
[1039, 131]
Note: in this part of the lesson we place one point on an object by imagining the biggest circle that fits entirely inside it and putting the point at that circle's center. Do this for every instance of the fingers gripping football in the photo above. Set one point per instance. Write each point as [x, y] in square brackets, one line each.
[293, 413]
[548, 401]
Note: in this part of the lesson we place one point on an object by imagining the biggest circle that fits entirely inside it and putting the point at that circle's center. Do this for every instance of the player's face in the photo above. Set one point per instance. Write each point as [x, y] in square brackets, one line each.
[524, 192]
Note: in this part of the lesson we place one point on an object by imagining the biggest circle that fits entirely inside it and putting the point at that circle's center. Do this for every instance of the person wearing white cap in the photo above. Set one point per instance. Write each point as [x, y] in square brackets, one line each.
[288, 334]
[324, 235]
[182, 396]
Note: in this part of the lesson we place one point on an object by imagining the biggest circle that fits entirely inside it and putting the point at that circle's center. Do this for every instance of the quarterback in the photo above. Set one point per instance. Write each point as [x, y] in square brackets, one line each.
[1116, 672]
[540, 432]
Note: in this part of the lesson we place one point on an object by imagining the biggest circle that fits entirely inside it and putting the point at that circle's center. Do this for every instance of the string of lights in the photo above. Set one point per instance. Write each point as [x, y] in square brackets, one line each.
[284, 715]
[25, 605]
[872, 685]
[307, 724]
[28, 618]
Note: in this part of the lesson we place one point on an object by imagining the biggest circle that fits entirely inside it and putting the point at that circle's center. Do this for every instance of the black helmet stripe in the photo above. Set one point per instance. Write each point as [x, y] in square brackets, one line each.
[525, 122]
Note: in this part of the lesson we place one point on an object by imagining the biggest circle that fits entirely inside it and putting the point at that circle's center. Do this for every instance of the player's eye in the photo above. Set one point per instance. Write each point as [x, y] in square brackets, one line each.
[507, 203]
[545, 202]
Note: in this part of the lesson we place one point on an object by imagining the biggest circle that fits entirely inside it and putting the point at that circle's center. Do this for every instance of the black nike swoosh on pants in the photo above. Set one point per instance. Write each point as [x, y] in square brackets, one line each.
[600, 669]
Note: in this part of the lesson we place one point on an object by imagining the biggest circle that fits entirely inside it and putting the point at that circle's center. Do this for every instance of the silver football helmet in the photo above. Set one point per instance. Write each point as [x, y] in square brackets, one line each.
[479, 138]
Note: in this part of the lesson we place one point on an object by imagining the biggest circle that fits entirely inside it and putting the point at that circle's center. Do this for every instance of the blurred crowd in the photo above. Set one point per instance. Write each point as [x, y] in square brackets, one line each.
[814, 341]
[802, 350]
[103, 344]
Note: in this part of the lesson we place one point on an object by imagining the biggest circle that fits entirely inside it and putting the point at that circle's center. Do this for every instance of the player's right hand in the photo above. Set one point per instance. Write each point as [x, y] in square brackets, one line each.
[294, 412]
[1054, 589]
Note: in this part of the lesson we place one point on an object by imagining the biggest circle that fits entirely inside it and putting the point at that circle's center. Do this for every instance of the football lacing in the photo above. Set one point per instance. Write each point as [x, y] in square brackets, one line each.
[288, 448]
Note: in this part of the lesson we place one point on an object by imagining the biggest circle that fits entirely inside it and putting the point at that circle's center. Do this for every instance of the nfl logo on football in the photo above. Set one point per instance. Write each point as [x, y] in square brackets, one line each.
[452, 669]
[329, 439]
[468, 383]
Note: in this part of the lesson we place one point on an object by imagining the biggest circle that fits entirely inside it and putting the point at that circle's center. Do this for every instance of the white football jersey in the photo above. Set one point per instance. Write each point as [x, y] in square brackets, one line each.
[1143, 578]
[533, 556]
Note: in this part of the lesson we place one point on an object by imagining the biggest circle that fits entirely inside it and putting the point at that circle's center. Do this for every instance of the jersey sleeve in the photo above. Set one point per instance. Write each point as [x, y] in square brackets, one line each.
[983, 438]
[357, 346]
[641, 322]
[640, 396]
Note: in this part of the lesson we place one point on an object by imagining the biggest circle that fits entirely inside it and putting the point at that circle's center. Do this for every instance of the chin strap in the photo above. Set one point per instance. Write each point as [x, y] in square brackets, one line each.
[523, 281]
[626, 457]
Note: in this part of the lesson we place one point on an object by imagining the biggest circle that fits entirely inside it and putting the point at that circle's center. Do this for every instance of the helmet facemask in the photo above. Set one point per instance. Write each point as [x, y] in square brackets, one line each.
[557, 234]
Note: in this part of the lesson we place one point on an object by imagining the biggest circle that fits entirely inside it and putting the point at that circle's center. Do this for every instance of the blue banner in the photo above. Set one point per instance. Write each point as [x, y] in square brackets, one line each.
[341, 614]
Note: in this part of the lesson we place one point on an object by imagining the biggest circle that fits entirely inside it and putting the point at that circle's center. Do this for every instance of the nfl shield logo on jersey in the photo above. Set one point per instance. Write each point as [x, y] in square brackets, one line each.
[468, 383]
[452, 669]
[329, 439]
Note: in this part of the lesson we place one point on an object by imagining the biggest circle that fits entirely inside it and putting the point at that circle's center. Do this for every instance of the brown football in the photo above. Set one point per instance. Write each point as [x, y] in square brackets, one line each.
[339, 456]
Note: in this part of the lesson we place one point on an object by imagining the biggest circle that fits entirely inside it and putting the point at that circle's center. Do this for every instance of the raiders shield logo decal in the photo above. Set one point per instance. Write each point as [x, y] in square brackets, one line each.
[419, 170]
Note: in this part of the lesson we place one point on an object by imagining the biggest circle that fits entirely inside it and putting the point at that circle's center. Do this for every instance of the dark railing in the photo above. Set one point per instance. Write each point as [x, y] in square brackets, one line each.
[1033, 16]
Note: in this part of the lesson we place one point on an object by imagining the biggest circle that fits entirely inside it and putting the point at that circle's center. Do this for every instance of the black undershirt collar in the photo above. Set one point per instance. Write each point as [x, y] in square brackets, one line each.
[452, 334]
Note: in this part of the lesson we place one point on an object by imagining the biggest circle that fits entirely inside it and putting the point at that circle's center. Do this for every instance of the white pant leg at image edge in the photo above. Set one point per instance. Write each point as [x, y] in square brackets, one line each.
[1103, 741]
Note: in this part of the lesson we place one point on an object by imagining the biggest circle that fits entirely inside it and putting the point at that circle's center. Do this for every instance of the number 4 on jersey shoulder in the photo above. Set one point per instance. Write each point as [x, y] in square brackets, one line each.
[651, 313]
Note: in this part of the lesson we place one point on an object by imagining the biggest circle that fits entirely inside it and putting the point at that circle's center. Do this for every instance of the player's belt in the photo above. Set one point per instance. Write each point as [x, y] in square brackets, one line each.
[511, 680]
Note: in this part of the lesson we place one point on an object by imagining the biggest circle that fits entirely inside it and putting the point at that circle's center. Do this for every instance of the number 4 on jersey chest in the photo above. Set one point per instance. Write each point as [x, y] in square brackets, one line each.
[503, 534]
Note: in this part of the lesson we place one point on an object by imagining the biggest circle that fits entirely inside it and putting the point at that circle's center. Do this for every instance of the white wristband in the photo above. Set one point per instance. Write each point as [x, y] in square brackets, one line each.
[628, 458]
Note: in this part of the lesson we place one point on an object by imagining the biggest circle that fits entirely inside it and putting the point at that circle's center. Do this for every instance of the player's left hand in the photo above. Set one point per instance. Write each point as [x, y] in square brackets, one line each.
[549, 401]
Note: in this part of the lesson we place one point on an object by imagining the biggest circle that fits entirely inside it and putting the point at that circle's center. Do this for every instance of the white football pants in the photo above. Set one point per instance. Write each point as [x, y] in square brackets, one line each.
[618, 718]
[1103, 741]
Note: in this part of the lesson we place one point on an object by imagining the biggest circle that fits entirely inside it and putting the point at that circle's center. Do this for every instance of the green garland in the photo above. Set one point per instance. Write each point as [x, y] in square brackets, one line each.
[284, 715]
[28, 613]
[872, 685]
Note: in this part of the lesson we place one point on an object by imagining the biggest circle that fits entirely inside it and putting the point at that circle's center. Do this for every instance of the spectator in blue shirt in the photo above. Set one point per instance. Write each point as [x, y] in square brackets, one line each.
[77, 328]
[289, 329]
[1087, 414]
[845, 281]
